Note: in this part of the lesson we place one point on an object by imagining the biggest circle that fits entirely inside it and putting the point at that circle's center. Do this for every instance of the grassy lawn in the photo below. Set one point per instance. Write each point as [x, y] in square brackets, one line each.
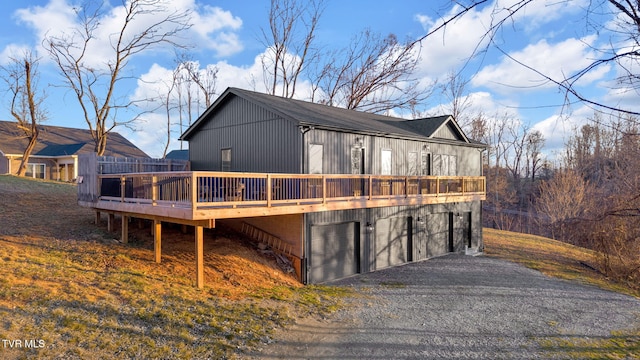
[69, 290]
[573, 263]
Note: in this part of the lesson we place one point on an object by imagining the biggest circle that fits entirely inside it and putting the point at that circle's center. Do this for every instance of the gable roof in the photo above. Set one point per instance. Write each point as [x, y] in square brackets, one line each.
[54, 141]
[305, 113]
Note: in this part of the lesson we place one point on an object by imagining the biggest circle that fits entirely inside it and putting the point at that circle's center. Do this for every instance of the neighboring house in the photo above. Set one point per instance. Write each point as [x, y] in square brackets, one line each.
[55, 156]
[245, 131]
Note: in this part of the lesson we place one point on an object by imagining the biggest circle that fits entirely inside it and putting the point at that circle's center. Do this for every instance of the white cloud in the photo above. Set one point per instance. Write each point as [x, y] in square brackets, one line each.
[452, 46]
[212, 19]
[13, 51]
[557, 61]
[558, 129]
[213, 28]
[216, 28]
[151, 134]
[534, 14]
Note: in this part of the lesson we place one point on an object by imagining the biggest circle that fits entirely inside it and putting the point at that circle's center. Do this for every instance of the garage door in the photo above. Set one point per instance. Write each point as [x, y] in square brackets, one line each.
[334, 251]
[391, 242]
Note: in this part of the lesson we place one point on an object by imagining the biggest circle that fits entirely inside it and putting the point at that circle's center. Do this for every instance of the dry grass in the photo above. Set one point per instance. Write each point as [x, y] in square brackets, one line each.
[551, 257]
[561, 260]
[67, 282]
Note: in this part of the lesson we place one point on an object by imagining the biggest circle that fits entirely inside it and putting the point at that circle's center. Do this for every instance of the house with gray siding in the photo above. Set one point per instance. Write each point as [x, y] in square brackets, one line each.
[250, 132]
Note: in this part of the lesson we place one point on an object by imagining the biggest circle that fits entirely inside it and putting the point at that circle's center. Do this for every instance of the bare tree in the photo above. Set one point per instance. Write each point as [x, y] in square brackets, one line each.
[168, 105]
[290, 43]
[534, 144]
[516, 142]
[603, 158]
[454, 90]
[563, 199]
[498, 142]
[26, 104]
[146, 24]
[373, 74]
[620, 20]
[194, 88]
[205, 80]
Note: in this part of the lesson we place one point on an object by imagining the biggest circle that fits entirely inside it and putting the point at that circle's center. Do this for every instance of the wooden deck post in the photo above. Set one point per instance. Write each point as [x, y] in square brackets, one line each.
[123, 188]
[157, 240]
[154, 190]
[194, 193]
[269, 190]
[125, 229]
[199, 258]
[110, 221]
[97, 217]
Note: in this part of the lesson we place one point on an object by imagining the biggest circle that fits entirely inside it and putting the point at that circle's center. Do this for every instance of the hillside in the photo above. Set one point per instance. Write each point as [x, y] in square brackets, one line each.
[67, 284]
[553, 258]
[69, 290]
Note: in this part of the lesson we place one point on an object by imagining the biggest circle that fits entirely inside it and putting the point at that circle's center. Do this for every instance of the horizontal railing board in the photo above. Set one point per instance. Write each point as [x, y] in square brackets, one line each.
[200, 194]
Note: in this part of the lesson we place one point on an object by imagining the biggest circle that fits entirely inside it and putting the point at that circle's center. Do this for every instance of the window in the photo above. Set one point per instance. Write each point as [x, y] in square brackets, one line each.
[437, 165]
[425, 164]
[316, 158]
[357, 160]
[226, 159]
[453, 165]
[445, 165]
[385, 162]
[36, 170]
[413, 164]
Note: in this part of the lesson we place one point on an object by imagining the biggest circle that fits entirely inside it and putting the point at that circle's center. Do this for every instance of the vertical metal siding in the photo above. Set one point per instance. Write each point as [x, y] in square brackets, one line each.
[259, 140]
[435, 229]
[446, 132]
[337, 156]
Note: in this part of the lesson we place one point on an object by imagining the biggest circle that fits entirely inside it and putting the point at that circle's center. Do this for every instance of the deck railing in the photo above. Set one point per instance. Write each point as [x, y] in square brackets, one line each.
[202, 190]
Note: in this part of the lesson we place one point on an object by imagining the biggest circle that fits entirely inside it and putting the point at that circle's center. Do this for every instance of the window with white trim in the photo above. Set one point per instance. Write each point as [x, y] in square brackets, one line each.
[445, 165]
[36, 171]
[316, 158]
[386, 162]
[226, 159]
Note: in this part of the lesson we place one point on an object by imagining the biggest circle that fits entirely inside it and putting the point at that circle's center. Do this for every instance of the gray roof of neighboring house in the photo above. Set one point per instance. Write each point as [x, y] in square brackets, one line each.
[312, 114]
[62, 141]
[178, 155]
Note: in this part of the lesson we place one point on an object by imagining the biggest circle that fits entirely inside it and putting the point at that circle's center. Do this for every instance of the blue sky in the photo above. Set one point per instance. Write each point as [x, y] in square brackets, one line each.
[548, 35]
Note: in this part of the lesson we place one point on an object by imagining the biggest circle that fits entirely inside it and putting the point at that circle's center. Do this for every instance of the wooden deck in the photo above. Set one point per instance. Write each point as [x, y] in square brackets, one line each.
[199, 198]
[202, 197]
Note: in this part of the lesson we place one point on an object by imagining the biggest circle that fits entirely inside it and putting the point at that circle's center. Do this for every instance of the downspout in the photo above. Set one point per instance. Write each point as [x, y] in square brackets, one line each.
[480, 237]
[304, 263]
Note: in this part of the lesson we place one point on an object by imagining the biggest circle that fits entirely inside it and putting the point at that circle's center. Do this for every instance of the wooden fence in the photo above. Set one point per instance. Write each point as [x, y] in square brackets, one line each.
[90, 166]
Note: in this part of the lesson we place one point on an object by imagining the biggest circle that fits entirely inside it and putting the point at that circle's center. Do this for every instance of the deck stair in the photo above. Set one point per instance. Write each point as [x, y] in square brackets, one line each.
[283, 251]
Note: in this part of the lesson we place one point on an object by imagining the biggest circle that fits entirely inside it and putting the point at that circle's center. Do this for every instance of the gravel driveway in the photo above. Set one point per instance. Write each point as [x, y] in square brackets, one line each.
[456, 307]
